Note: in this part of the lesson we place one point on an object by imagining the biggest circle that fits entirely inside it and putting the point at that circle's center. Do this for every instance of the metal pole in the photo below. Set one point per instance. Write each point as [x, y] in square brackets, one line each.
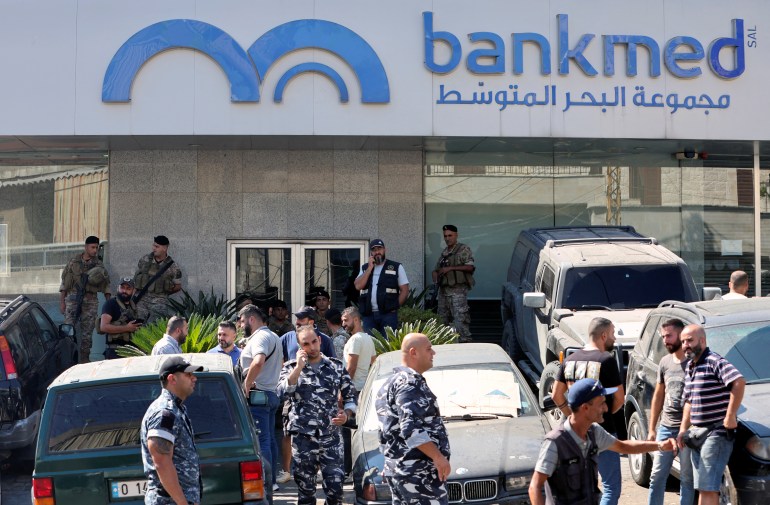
[757, 226]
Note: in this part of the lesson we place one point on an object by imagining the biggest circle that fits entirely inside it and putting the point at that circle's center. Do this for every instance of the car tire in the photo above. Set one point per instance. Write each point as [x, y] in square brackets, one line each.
[728, 495]
[547, 380]
[640, 465]
[510, 342]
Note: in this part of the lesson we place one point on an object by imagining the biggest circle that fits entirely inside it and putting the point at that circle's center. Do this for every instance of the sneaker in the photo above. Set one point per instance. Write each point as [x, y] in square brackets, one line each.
[282, 477]
[276, 487]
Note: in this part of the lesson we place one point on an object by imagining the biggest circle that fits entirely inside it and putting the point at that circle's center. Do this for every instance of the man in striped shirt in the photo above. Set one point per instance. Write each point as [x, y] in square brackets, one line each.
[713, 391]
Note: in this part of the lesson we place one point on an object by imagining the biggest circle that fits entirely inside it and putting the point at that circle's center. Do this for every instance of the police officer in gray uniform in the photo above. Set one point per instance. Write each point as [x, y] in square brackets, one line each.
[168, 442]
[312, 382]
[413, 438]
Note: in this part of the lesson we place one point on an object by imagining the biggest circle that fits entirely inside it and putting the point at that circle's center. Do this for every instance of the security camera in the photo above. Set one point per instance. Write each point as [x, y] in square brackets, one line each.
[687, 154]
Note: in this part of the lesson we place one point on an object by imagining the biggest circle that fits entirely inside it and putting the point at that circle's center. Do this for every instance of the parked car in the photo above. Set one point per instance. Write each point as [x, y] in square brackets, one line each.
[494, 424]
[739, 330]
[89, 451]
[32, 353]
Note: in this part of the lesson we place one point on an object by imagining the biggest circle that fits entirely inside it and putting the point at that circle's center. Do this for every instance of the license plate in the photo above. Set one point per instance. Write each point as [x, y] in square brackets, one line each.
[128, 488]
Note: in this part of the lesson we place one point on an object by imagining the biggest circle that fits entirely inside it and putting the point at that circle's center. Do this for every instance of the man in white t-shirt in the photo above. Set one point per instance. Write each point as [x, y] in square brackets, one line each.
[739, 286]
[359, 352]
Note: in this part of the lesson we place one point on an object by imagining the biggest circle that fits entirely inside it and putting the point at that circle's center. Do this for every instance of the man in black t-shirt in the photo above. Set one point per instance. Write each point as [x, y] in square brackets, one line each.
[120, 318]
[594, 361]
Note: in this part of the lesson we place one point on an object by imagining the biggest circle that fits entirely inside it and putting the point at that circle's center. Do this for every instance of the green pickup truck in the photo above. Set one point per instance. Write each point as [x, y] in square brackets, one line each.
[88, 449]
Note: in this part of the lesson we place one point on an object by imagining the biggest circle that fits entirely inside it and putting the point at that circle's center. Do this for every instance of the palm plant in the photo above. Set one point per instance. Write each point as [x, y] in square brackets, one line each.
[201, 336]
[436, 332]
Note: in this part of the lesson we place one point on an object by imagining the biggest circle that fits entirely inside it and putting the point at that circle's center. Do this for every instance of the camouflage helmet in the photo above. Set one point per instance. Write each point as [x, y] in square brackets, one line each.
[97, 276]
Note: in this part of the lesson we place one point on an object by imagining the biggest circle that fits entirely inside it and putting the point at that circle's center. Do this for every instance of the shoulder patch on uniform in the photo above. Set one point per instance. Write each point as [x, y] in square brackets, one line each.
[167, 420]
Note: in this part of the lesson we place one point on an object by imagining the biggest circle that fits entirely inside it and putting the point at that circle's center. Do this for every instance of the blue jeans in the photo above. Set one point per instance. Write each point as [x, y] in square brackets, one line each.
[709, 463]
[264, 417]
[609, 469]
[661, 467]
[379, 321]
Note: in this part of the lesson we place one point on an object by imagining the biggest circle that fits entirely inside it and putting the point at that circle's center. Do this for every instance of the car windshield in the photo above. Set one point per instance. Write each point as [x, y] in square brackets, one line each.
[745, 346]
[473, 391]
[623, 287]
[110, 415]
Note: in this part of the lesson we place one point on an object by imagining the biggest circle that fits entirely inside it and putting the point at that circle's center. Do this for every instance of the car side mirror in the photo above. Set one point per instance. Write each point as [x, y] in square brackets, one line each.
[66, 330]
[712, 294]
[534, 300]
[548, 403]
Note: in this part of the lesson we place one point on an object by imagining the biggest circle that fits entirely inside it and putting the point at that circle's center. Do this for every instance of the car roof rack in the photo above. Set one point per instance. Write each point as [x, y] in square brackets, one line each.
[8, 307]
[566, 241]
[689, 307]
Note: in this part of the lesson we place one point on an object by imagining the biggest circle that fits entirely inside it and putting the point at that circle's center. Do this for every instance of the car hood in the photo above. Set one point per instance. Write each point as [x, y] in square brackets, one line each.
[628, 323]
[482, 448]
[755, 409]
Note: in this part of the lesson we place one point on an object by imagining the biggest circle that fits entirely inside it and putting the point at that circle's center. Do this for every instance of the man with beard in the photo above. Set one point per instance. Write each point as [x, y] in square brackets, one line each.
[384, 288]
[157, 277]
[172, 340]
[713, 391]
[667, 405]
[119, 318]
[594, 361]
[226, 337]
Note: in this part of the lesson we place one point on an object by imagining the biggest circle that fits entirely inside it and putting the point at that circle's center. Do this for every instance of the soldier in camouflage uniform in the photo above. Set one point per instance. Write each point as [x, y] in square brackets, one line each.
[413, 438]
[321, 304]
[279, 321]
[84, 274]
[154, 301]
[312, 383]
[454, 275]
[168, 440]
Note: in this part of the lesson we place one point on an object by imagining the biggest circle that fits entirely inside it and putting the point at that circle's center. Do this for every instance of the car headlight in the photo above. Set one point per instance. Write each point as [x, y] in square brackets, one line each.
[759, 447]
[516, 482]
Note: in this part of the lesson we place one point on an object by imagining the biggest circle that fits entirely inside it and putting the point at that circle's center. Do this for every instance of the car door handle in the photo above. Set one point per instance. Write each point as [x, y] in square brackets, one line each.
[640, 380]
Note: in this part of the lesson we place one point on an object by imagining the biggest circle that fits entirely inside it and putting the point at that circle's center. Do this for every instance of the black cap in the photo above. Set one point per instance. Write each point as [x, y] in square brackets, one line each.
[306, 311]
[376, 243]
[127, 280]
[449, 227]
[322, 292]
[161, 240]
[92, 240]
[176, 364]
[334, 316]
[280, 303]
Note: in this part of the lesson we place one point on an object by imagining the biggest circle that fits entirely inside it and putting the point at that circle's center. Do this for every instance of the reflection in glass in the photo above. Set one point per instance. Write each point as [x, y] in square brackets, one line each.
[330, 270]
[263, 274]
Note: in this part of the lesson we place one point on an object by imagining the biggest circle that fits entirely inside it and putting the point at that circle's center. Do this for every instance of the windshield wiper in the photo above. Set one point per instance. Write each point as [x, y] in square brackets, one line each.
[590, 307]
[476, 417]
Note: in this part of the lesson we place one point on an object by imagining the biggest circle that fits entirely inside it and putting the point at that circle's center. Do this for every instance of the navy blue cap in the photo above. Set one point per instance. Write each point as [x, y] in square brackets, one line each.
[585, 390]
[376, 243]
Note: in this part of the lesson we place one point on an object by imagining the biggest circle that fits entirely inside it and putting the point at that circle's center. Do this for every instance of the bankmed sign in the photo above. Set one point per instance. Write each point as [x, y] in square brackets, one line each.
[488, 55]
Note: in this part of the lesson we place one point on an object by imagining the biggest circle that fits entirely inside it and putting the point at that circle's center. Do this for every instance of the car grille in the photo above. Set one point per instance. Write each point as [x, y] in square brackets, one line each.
[473, 490]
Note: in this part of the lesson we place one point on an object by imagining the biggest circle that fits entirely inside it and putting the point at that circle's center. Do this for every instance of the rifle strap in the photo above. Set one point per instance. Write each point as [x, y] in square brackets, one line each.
[138, 296]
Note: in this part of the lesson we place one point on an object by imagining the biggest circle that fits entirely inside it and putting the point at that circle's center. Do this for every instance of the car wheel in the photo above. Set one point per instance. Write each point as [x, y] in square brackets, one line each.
[510, 343]
[547, 380]
[639, 464]
[728, 495]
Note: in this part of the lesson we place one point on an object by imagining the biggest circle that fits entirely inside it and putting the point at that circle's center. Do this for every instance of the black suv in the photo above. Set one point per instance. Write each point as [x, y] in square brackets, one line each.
[739, 330]
[32, 353]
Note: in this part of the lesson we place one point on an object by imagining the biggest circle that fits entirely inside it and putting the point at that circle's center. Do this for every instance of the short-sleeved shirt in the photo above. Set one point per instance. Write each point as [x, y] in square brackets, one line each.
[593, 364]
[166, 345]
[166, 418]
[402, 279]
[234, 354]
[264, 341]
[548, 459]
[112, 308]
[290, 346]
[672, 375]
[707, 388]
[362, 345]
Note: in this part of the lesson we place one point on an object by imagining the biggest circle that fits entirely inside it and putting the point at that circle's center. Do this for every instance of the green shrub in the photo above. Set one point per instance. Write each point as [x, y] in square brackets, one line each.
[436, 332]
[414, 314]
[201, 336]
[206, 305]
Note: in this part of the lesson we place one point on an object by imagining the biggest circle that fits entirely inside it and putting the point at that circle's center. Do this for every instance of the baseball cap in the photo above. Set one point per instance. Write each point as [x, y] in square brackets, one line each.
[176, 364]
[306, 311]
[585, 390]
[376, 243]
[127, 280]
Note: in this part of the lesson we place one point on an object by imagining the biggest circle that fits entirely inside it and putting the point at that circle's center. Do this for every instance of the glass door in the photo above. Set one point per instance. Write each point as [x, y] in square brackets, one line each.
[293, 271]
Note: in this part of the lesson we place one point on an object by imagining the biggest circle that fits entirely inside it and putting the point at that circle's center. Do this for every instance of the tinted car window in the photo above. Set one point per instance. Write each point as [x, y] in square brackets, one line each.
[31, 337]
[648, 335]
[745, 346]
[110, 415]
[18, 348]
[658, 348]
[623, 287]
[47, 330]
[546, 286]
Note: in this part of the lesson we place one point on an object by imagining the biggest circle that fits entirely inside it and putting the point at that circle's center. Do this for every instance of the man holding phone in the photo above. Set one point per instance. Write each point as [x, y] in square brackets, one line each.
[120, 318]
[384, 288]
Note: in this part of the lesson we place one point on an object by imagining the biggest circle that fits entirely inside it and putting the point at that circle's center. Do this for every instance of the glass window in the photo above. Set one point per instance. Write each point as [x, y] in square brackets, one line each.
[745, 346]
[31, 337]
[48, 331]
[18, 348]
[546, 284]
[110, 415]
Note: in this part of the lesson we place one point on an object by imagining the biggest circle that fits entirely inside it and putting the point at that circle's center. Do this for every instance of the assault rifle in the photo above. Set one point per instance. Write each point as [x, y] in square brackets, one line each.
[81, 294]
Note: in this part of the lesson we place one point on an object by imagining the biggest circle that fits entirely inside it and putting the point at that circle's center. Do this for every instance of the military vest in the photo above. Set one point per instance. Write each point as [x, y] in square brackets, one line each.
[387, 290]
[454, 277]
[575, 480]
[127, 314]
[147, 269]
[98, 279]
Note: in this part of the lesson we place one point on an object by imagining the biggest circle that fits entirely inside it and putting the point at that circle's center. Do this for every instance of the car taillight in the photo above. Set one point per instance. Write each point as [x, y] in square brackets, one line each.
[369, 493]
[42, 491]
[252, 483]
[8, 364]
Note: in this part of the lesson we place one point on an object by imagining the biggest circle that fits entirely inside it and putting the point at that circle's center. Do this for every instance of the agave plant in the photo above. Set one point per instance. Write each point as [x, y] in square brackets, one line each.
[201, 336]
[436, 332]
[206, 305]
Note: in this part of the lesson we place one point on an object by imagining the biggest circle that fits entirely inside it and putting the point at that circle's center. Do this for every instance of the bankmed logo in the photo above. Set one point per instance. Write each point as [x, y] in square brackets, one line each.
[246, 70]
